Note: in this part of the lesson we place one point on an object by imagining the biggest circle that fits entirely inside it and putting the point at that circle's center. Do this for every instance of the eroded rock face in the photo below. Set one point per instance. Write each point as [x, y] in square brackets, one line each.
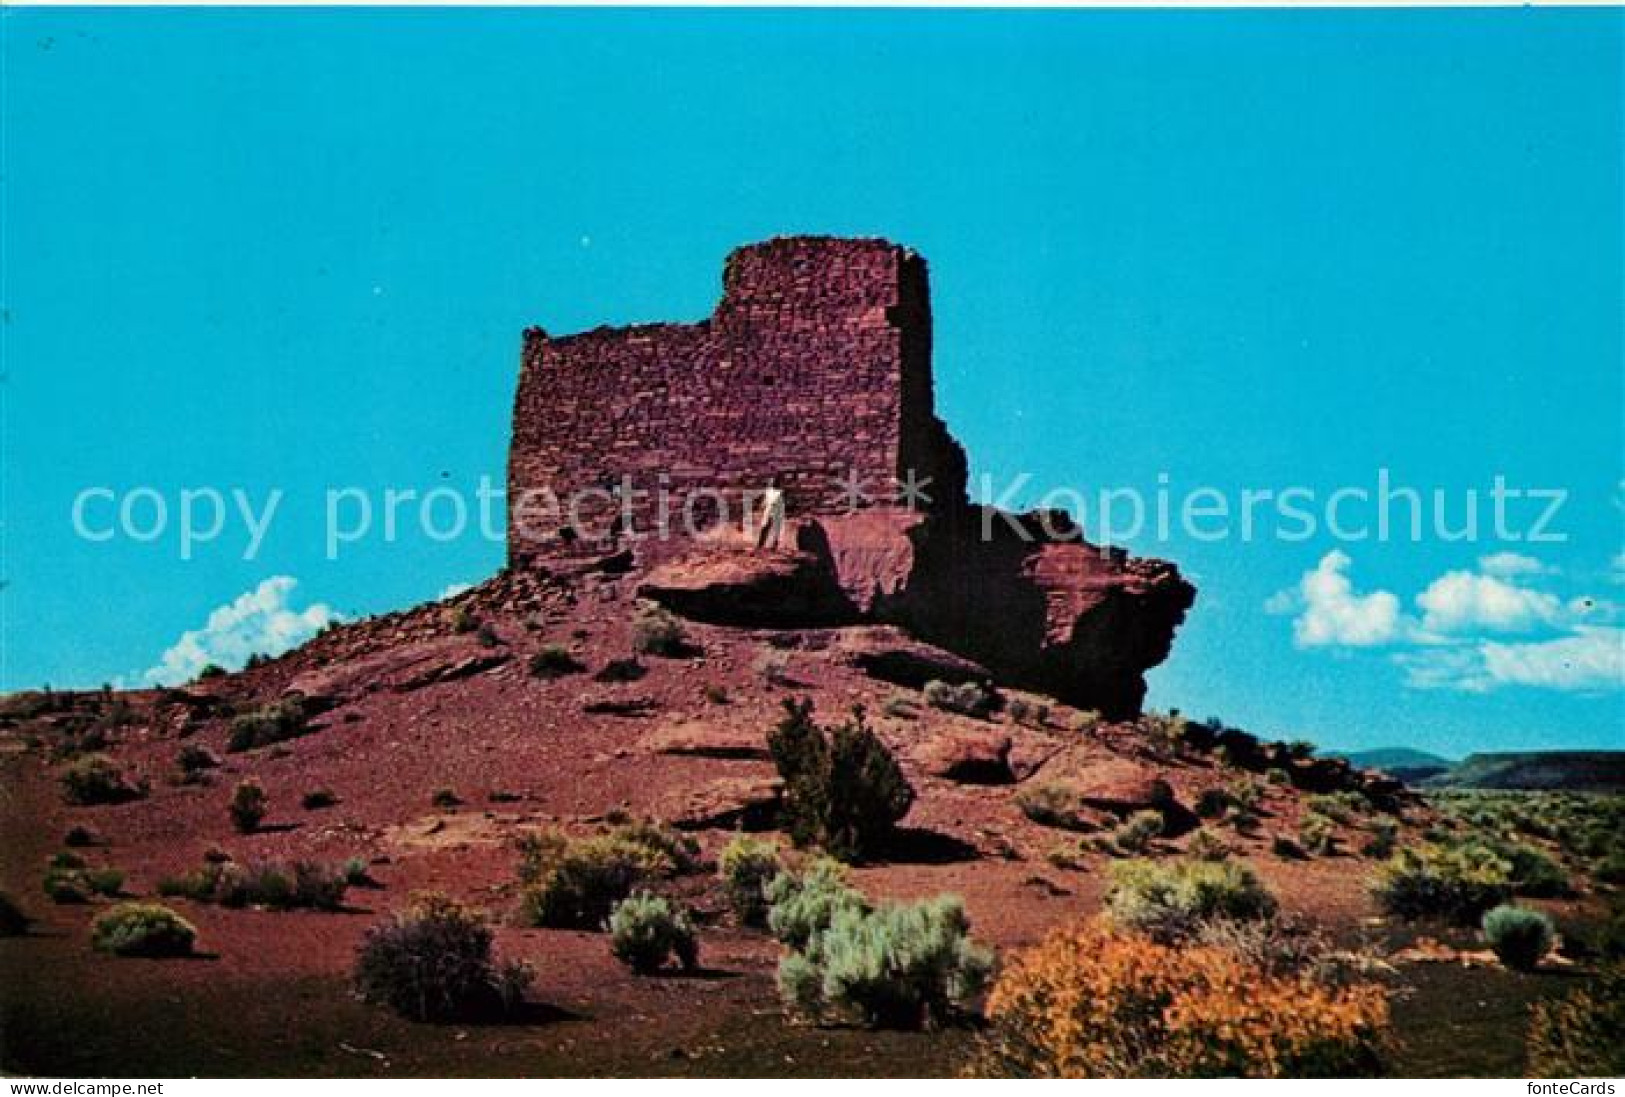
[815, 372]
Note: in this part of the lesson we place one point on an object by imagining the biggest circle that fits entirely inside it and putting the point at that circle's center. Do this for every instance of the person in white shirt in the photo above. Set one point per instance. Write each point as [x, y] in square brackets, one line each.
[771, 523]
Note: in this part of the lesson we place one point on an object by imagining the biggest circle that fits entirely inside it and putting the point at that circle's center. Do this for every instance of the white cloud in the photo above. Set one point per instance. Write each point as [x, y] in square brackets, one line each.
[258, 621]
[1462, 602]
[1510, 565]
[1330, 613]
[452, 590]
[1590, 658]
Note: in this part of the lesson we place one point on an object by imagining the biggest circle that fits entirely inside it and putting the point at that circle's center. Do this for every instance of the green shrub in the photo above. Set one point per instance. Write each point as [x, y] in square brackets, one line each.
[554, 661]
[646, 931]
[80, 837]
[1275, 775]
[966, 698]
[621, 670]
[715, 694]
[1534, 872]
[445, 799]
[1317, 834]
[1611, 869]
[574, 883]
[1053, 804]
[1134, 834]
[275, 885]
[1245, 794]
[433, 962]
[1208, 846]
[248, 806]
[1382, 836]
[1521, 938]
[1213, 803]
[463, 620]
[193, 759]
[211, 671]
[318, 798]
[900, 965]
[802, 904]
[1172, 902]
[843, 790]
[287, 719]
[746, 867]
[1582, 1034]
[143, 929]
[656, 632]
[1454, 884]
[13, 922]
[97, 779]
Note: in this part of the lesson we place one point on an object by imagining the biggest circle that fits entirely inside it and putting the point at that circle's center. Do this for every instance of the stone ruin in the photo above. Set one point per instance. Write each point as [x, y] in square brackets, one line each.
[645, 448]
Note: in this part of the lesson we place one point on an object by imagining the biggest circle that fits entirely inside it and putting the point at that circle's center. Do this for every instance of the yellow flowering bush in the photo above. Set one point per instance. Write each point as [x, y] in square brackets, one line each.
[1094, 1002]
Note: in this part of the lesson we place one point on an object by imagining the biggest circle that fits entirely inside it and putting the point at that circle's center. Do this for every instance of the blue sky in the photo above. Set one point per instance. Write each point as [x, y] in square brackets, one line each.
[1242, 250]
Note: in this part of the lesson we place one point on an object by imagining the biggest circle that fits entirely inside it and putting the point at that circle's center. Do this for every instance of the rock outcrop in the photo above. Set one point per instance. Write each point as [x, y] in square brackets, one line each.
[815, 373]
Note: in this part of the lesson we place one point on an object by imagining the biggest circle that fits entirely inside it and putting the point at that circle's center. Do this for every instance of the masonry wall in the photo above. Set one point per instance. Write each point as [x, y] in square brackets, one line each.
[816, 365]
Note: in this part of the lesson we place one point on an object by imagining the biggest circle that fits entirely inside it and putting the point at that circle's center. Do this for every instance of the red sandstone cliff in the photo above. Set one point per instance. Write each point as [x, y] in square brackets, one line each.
[815, 371]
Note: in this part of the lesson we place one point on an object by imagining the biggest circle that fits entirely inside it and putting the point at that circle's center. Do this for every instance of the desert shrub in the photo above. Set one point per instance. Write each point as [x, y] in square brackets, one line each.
[656, 632]
[900, 965]
[193, 759]
[802, 904]
[1172, 901]
[143, 929]
[1246, 794]
[445, 799]
[1086, 721]
[575, 882]
[318, 798]
[80, 837]
[773, 667]
[1582, 1034]
[1134, 834]
[645, 931]
[842, 788]
[1093, 1002]
[554, 661]
[1286, 849]
[1275, 775]
[1212, 803]
[620, 670]
[1521, 938]
[1534, 872]
[1611, 869]
[463, 620]
[1382, 836]
[680, 851]
[1456, 884]
[1208, 846]
[715, 694]
[746, 867]
[1340, 807]
[295, 885]
[1165, 733]
[248, 806]
[1054, 805]
[210, 671]
[966, 698]
[287, 719]
[97, 779]
[1317, 834]
[13, 922]
[433, 962]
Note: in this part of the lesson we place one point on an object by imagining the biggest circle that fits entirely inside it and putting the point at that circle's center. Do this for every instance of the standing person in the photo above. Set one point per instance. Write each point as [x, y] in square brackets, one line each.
[772, 520]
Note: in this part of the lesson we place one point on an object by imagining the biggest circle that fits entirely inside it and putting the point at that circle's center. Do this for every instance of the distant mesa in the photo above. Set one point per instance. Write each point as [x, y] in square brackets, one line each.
[814, 372]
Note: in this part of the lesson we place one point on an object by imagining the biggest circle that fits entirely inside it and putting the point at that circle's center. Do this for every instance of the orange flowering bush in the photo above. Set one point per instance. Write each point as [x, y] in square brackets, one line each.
[1093, 1002]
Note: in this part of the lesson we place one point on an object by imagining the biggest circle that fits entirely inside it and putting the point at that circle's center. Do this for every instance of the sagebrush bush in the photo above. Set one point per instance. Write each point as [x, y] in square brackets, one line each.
[1382, 837]
[1521, 938]
[802, 904]
[620, 670]
[1172, 901]
[97, 779]
[746, 867]
[1455, 884]
[574, 883]
[1317, 834]
[646, 931]
[248, 806]
[1582, 1034]
[966, 698]
[1094, 1002]
[287, 719]
[1054, 804]
[433, 962]
[143, 929]
[554, 661]
[80, 837]
[655, 631]
[843, 790]
[318, 798]
[1134, 834]
[193, 759]
[275, 885]
[899, 965]
[1212, 803]
[69, 880]
[1208, 846]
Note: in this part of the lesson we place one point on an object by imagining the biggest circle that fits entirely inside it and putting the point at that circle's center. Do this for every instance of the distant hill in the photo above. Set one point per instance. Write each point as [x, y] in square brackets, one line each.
[1410, 766]
[1573, 770]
